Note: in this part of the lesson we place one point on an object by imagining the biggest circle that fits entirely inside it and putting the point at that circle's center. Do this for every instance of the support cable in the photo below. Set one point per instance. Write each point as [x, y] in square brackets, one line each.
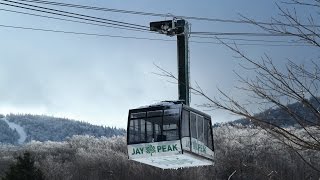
[160, 14]
[138, 38]
[69, 20]
[73, 15]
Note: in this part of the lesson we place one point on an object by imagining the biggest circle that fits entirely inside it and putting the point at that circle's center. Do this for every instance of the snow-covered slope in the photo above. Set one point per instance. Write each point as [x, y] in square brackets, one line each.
[19, 129]
[45, 128]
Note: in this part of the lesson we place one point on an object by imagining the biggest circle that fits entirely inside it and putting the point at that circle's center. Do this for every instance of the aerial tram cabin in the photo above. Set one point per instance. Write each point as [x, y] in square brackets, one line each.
[170, 135]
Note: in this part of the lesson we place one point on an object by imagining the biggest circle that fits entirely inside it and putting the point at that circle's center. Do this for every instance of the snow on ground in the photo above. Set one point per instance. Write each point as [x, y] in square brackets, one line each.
[19, 129]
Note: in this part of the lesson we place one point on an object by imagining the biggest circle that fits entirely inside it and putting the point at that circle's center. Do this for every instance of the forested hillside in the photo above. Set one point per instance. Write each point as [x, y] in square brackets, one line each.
[281, 117]
[241, 152]
[7, 135]
[46, 128]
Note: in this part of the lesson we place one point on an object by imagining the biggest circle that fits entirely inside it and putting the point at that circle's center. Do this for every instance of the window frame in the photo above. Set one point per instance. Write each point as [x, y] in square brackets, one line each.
[145, 118]
[182, 108]
[206, 119]
[182, 123]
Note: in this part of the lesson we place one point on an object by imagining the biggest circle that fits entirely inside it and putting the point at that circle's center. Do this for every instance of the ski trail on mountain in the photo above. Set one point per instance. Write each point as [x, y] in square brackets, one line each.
[19, 129]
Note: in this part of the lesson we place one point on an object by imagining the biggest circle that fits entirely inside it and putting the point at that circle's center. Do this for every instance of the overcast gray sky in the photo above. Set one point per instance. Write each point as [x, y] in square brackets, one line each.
[97, 79]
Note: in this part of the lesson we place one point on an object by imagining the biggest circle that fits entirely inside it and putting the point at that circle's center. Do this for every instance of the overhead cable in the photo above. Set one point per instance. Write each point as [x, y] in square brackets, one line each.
[137, 38]
[74, 15]
[242, 39]
[82, 33]
[246, 34]
[249, 44]
[70, 20]
[116, 27]
[162, 15]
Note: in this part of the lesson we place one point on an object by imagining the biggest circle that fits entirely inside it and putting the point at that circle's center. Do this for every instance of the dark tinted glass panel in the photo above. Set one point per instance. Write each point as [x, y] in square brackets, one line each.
[149, 131]
[171, 125]
[172, 112]
[155, 123]
[193, 125]
[210, 144]
[157, 133]
[142, 128]
[200, 128]
[138, 115]
[137, 131]
[155, 126]
[185, 124]
[133, 131]
[170, 135]
[155, 113]
[206, 131]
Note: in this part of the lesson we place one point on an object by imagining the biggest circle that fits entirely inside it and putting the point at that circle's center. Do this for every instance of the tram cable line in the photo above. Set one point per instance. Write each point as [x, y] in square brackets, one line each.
[140, 38]
[139, 29]
[60, 11]
[116, 27]
[246, 34]
[70, 20]
[82, 33]
[159, 14]
[242, 39]
[74, 15]
[121, 26]
[251, 44]
[193, 36]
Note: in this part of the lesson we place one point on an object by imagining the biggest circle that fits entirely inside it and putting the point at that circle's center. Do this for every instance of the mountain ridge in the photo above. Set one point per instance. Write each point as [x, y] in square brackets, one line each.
[282, 118]
[47, 128]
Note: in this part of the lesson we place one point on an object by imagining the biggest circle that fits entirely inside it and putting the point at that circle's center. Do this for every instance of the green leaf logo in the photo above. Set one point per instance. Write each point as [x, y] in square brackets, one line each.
[150, 149]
